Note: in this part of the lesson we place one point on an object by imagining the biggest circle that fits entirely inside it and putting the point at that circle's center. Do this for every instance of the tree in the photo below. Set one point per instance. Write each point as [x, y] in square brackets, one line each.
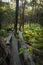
[7, 13]
[22, 16]
[17, 7]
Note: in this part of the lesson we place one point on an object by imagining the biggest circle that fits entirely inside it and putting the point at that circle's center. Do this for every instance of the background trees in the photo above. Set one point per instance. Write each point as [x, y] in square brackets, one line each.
[30, 11]
[7, 14]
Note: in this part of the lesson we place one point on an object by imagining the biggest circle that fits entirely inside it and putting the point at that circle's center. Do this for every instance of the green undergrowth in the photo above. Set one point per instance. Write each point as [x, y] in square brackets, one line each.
[33, 34]
[4, 31]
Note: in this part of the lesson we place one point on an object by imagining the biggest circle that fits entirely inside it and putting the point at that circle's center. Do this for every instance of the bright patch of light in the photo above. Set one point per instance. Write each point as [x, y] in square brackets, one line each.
[5, 0]
[28, 0]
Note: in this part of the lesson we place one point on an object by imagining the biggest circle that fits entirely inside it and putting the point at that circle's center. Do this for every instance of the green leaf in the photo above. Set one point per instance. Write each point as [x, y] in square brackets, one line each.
[21, 51]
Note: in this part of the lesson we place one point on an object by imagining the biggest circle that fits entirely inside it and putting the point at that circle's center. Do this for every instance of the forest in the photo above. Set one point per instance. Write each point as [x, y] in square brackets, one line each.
[24, 20]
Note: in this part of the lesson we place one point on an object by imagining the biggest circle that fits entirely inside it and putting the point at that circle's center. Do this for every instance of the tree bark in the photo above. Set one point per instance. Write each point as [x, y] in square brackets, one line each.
[0, 24]
[22, 15]
[17, 7]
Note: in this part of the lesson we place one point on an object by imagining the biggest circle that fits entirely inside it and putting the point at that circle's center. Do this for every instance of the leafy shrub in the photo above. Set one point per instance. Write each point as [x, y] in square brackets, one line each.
[2, 32]
[34, 35]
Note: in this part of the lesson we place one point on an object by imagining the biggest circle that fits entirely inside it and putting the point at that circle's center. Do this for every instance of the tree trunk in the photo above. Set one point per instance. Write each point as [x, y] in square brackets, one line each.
[22, 15]
[0, 25]
[17, 7]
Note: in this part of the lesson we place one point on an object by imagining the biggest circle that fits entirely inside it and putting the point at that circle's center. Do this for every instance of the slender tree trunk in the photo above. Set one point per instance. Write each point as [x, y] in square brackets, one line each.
[17, 7]
[0, 25]
[22, 14]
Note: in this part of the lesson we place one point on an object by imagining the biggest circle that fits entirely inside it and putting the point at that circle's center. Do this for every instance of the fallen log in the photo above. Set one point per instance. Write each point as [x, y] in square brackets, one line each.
[15, 60]
[9, 39]
[27, 57]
